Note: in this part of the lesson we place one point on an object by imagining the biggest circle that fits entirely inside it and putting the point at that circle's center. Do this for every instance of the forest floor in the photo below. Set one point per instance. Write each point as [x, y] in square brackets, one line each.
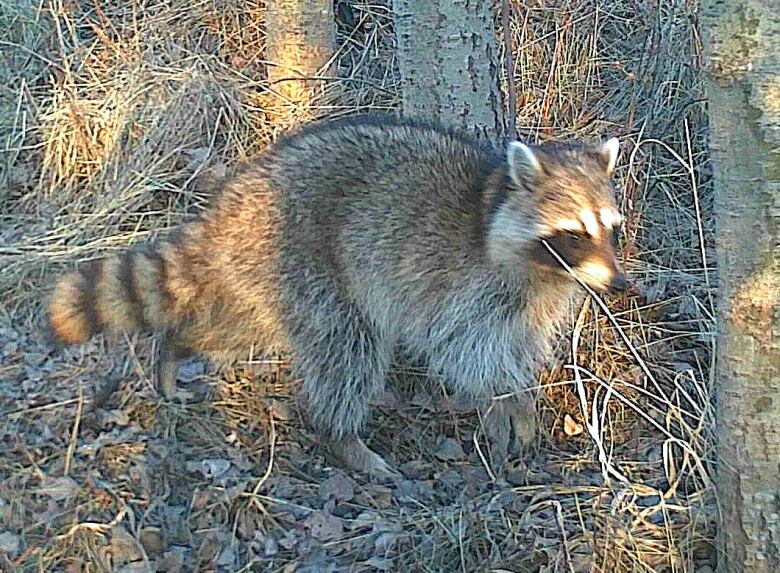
[116, 120]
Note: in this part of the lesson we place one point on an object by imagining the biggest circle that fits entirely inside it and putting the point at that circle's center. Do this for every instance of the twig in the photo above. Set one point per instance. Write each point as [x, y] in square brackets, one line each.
[74, 434]
[478, 449]
[271, 454]
[592, 421]
[95, 526]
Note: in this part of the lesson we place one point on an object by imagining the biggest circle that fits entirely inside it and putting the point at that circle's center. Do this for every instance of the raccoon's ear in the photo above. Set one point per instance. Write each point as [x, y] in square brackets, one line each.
[609, 153]
[522, 162]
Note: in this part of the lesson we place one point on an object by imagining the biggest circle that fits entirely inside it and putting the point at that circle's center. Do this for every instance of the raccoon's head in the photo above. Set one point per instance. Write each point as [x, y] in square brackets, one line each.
[560, 197]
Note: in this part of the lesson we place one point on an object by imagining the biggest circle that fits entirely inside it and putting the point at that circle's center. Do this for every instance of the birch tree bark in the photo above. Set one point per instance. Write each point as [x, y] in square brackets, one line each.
[742, 50]
[300, 40]
[448, 58]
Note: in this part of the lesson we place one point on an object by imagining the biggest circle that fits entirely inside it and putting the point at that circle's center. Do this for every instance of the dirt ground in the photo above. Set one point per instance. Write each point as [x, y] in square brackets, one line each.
[116, 121]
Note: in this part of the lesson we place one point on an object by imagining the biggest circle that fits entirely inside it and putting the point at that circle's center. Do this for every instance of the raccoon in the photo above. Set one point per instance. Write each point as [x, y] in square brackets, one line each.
[348, 241]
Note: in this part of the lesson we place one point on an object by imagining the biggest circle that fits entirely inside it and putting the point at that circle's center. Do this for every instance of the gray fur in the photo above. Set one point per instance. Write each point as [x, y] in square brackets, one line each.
[347, 241]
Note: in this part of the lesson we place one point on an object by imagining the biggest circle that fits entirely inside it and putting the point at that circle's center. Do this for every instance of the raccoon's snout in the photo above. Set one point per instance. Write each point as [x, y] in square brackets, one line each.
[619, 283]
[602, 276]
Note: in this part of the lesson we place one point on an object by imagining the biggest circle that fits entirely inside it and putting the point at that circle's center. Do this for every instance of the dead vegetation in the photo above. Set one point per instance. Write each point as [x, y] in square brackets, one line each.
[118, 118]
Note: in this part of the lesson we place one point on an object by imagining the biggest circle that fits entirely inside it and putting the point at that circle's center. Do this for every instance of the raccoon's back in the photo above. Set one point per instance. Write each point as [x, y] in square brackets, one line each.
[375, 197]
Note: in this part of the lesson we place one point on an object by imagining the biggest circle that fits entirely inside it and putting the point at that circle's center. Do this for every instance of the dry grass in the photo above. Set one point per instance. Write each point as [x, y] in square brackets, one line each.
[116, 120]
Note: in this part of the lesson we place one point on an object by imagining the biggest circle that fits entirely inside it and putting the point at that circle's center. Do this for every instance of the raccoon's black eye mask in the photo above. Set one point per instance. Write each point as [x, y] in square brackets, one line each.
[574, 247]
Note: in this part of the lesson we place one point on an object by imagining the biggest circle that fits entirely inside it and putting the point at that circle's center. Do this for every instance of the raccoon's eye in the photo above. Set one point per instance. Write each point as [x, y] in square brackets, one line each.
[573, 237]
[616, 236]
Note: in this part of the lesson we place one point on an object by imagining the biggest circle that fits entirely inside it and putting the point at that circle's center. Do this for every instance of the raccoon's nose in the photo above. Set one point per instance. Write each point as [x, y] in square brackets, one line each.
[619, 283]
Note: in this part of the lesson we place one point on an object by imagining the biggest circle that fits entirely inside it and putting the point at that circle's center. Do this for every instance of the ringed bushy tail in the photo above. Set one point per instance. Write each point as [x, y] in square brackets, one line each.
[126, 292]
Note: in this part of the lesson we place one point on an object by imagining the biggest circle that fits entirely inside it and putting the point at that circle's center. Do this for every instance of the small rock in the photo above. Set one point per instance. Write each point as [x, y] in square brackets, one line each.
[227, 558]
[449, 450]
[191, 370]
[453, 477]
[10, 543]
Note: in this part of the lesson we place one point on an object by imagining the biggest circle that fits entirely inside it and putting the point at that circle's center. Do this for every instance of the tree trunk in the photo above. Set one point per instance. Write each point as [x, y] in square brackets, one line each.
[742, 41]
[448, 58]
[299, 42]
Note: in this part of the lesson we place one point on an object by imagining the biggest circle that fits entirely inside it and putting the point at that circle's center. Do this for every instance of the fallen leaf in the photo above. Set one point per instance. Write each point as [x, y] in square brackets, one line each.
[172, 561]
[449, 450]
[453, 477]
[380, 563]
[570, 427]
[339, 487]
[125, 549]
[152, 541]
[269, 545]
[212, 468]
[281, 411]
[135, 567]
[324, 526]
[59, 489]
[289, 540]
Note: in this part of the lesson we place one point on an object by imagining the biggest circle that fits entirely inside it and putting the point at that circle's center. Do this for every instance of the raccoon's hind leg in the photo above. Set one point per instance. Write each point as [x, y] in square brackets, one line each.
[172, 351]
[343, 363]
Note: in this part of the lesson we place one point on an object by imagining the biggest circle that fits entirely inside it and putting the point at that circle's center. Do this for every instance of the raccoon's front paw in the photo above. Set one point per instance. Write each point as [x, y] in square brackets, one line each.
[510, 428]
[358, 456]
